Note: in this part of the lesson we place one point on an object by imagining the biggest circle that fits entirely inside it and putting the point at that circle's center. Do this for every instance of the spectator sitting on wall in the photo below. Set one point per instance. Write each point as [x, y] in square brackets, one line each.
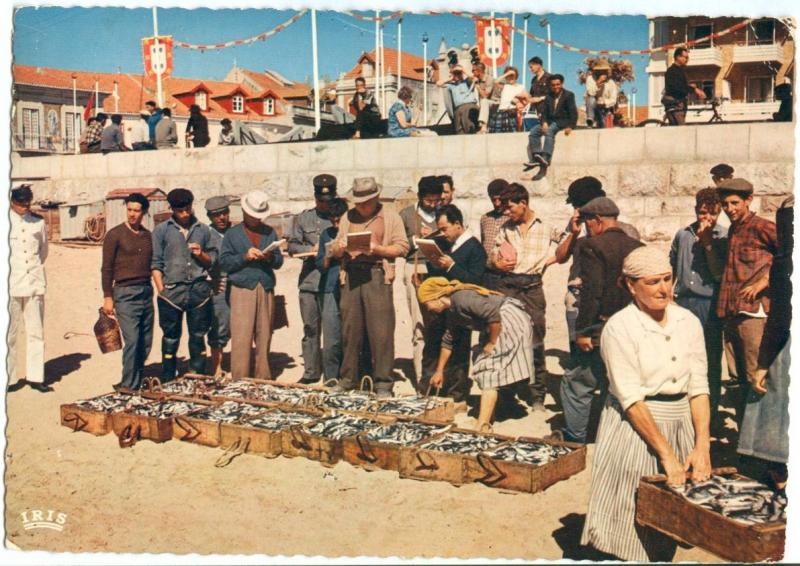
[140, 132]
[340, 115]
[155, 116]
[488, 98]
[401, 124]
[512, 98]
[226, 134]
[464, 100]
[365, 109]
[92, 136]
[112, 138]
[560, 114]
[197, 127]
[540, 83]
[166, 132]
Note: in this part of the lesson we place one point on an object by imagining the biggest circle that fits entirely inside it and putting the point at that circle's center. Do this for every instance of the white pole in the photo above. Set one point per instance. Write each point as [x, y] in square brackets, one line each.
[425, 83]
[317, 117]
[376, 79]
[399, 51]
[633, 110]
[511, 47]
[494, 47]
[383, 75]
[116, 97]
[96, 97]
[549, 50]
[75, 120]
[525, 52]
[158, 70]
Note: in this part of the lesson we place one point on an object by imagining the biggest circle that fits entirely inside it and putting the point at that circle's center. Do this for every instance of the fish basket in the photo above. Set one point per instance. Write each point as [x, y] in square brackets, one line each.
[94, 415]
[255, 436]
[328, 450]
[149, 422]
[494, 470]
[433, 463]
[366, 451]
[106, 330]
[662, 509]
[204, 426]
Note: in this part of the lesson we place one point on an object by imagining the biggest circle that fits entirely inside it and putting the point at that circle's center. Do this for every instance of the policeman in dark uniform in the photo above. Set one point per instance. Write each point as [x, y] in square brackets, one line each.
[304, 242]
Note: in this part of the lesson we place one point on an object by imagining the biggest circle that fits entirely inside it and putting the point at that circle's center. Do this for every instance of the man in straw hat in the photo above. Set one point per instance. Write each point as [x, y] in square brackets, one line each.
[251, 277]
[601, 94]
[183, 252]
[26, 286]
[367, 277]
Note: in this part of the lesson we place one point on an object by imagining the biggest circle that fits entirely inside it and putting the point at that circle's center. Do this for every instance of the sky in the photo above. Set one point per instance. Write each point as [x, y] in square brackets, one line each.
[109, 40]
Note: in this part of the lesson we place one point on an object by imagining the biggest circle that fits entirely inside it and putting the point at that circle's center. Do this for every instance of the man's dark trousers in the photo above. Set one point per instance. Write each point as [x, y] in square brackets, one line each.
[587, 373]
[133, 305]
[195, 300]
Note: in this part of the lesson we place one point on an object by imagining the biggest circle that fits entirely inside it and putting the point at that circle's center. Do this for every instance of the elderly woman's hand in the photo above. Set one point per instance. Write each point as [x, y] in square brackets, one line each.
[699, 461]
[676, 474]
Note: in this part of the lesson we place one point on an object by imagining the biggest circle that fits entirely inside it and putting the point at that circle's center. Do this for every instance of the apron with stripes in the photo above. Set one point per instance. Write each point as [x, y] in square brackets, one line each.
[621, 458]
[511, 359]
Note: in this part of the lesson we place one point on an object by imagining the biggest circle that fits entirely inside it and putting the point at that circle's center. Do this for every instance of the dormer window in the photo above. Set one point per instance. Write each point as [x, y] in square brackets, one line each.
[238, 103]
[269, 106]
[201, 99]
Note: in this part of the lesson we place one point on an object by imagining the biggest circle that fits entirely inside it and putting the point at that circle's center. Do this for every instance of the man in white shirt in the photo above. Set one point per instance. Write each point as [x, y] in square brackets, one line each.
[26, 285]
[139, 132]
[601, 95]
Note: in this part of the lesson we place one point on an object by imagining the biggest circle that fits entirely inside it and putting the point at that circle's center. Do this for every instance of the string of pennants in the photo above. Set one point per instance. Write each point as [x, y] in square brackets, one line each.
[531, 36]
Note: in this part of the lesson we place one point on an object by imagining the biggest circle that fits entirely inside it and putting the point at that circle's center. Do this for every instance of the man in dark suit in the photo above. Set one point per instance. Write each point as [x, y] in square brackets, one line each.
[559, 114]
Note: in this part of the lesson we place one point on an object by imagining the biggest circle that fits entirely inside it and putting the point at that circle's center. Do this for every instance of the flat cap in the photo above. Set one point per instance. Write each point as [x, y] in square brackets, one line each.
[180, 198]
[23, 193]
[600, 206]
[217, 204]
[722, 170]
[324, 187]
[736, 185]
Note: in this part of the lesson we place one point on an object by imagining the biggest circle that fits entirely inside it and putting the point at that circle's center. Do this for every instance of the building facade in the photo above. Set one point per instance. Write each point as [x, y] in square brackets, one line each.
[744, 66]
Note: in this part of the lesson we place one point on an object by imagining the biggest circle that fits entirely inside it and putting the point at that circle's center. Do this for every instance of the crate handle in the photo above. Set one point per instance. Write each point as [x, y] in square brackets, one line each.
[152, 384]
[298, 439]
[79, 422]
[368, 379]
[493, 473]
[190, 432]
[330, 382]
[423, 466]
[129, 436]
[238, 448]
[428, 399]
[366, 453]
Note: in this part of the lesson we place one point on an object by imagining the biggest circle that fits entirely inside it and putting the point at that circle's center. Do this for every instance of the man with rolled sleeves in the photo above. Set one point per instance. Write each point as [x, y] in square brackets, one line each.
[306, 231]
[183, 252]
[26, 286]
[219, 215]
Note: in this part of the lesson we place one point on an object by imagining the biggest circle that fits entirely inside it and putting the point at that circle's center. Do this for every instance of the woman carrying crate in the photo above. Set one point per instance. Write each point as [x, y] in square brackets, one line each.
[656, 419]
[505, 352]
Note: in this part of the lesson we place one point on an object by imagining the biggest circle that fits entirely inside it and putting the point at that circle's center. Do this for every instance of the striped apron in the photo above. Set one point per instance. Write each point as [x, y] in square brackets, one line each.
[621, 458]
[511, 359]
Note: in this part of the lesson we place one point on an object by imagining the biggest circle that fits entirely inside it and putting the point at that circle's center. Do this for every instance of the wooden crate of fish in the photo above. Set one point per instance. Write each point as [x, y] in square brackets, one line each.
[526, 464]
[322, 440]
[356, 402]
[189, 385]
[94, 415]
[732, 516]
[278, 394]
[204, 426]
[263, 434]
[442, 457]
[380, 447]
[432, 409]
[153, 421]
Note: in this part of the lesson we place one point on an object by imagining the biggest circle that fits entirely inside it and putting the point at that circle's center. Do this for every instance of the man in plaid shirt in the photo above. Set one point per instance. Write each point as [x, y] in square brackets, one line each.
[491, 222]
[93, 135]
[743, 302]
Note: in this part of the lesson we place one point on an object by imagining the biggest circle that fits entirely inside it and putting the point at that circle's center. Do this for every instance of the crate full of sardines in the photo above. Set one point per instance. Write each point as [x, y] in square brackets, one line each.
[204, 426]
[264, 433]
[380, 447]
[436, 409]
[153, 421]
[281, 394]
[526, 464]
[94, 415]
[730, 515]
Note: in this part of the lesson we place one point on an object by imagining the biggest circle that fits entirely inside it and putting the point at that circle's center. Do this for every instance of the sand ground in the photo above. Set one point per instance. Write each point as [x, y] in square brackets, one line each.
[170, 498]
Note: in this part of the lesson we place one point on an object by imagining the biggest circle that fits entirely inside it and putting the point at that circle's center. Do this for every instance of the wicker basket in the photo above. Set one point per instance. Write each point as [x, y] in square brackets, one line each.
[106, 330]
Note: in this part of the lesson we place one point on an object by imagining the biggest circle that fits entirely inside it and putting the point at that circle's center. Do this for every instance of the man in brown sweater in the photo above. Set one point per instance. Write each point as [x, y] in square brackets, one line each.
[367, 277]
[127, 292]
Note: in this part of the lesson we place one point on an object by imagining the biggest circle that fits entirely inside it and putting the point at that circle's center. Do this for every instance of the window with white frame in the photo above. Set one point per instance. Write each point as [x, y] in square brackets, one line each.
[269, 106]
[699, 32]
[761, 32]
[759, 89]
[201, 99]
[30, 128]
[238, 103]
[72, 129]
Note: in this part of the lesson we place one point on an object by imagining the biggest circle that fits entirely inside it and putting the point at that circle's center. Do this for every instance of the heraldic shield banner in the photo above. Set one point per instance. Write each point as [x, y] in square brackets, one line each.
[157, 58]
[493, 47]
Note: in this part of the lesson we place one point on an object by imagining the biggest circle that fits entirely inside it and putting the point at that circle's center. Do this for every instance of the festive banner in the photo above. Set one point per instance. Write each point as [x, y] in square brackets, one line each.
[157, 59]
[493, 47]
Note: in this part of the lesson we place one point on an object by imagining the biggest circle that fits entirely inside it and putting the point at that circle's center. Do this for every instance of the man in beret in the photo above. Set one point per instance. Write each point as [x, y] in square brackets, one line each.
[743, 296]
[26, 286]
[304, 242]
[183, 252]
[219, 215]
[601, 256]
[721, 172]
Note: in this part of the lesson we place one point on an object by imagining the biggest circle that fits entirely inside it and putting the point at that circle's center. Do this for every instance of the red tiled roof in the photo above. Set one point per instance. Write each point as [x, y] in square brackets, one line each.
[412, 66]
[152, 193]
[266, 82]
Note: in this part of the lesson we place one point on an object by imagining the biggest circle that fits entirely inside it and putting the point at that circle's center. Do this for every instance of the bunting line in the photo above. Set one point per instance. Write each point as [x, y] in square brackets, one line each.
[247, 41]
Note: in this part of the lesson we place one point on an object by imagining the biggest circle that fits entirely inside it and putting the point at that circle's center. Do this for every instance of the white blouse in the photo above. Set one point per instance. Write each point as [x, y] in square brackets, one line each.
[508, 94]
[643, 358]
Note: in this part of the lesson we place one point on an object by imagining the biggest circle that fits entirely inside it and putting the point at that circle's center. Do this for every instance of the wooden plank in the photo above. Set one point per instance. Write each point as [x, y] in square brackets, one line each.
[80, 419]
[200, 431]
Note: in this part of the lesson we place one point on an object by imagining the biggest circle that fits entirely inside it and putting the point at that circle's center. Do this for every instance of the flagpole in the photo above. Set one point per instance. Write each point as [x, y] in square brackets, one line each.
[96, 97]
[383, 75]
[493, 50]
[75, 114]
[525, 51]
[511, 47]
[399, 51]
[157, 68]
[376, 79]
[317, 117]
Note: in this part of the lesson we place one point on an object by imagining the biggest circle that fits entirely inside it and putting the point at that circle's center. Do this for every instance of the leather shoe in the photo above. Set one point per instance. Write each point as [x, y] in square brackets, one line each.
[40, 387]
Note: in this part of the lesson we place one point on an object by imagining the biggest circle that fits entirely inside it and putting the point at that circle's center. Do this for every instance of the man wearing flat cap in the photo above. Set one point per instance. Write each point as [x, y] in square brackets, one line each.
[26, 286]
[183, 252]
[367, 276]
[601, 256]
[743, 295]
[219, 215]
[304, 242]
[721, 172]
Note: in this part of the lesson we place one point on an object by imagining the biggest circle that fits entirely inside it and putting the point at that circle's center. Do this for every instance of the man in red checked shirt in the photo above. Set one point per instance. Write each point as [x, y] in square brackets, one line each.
[743, 302]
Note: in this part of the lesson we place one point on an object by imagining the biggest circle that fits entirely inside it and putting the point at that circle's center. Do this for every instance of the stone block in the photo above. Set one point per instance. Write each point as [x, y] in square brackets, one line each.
[158, 162]
[721, 143]
[507, 149]
[71, 167]
[27, 167]
[661, 229]
[631, 207]
[771, 142]
[399, 178]
[688, 178]
[95, 165]
[643, 180]
[670, 144]
[367, 154]
[249, 159]
[561, 177]
[466, 150]
[396, 153]
[332, 156]
[773, 178]
[294, 157]
[581, 147]
[655, 207]
[621, 145]
[121, 164]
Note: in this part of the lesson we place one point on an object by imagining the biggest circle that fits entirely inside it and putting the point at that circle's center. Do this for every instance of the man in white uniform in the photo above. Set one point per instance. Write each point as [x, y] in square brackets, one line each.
[27, 287]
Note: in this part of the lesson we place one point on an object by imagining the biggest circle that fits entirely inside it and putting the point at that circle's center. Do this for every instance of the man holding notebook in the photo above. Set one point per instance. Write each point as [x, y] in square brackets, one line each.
[370, 239]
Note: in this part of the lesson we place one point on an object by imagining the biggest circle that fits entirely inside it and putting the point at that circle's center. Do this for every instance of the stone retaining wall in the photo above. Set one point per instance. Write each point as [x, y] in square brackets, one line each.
[652, 173]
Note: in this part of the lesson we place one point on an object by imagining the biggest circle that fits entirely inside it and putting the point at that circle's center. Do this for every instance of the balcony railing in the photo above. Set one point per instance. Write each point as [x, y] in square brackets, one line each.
[757, 53]
[36, 143]
[709, 56]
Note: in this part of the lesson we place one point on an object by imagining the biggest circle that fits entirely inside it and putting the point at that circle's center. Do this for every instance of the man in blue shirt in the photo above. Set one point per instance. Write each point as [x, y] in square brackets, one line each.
[464, 99]
[183, 252]
[698, 256]
[155, 117]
